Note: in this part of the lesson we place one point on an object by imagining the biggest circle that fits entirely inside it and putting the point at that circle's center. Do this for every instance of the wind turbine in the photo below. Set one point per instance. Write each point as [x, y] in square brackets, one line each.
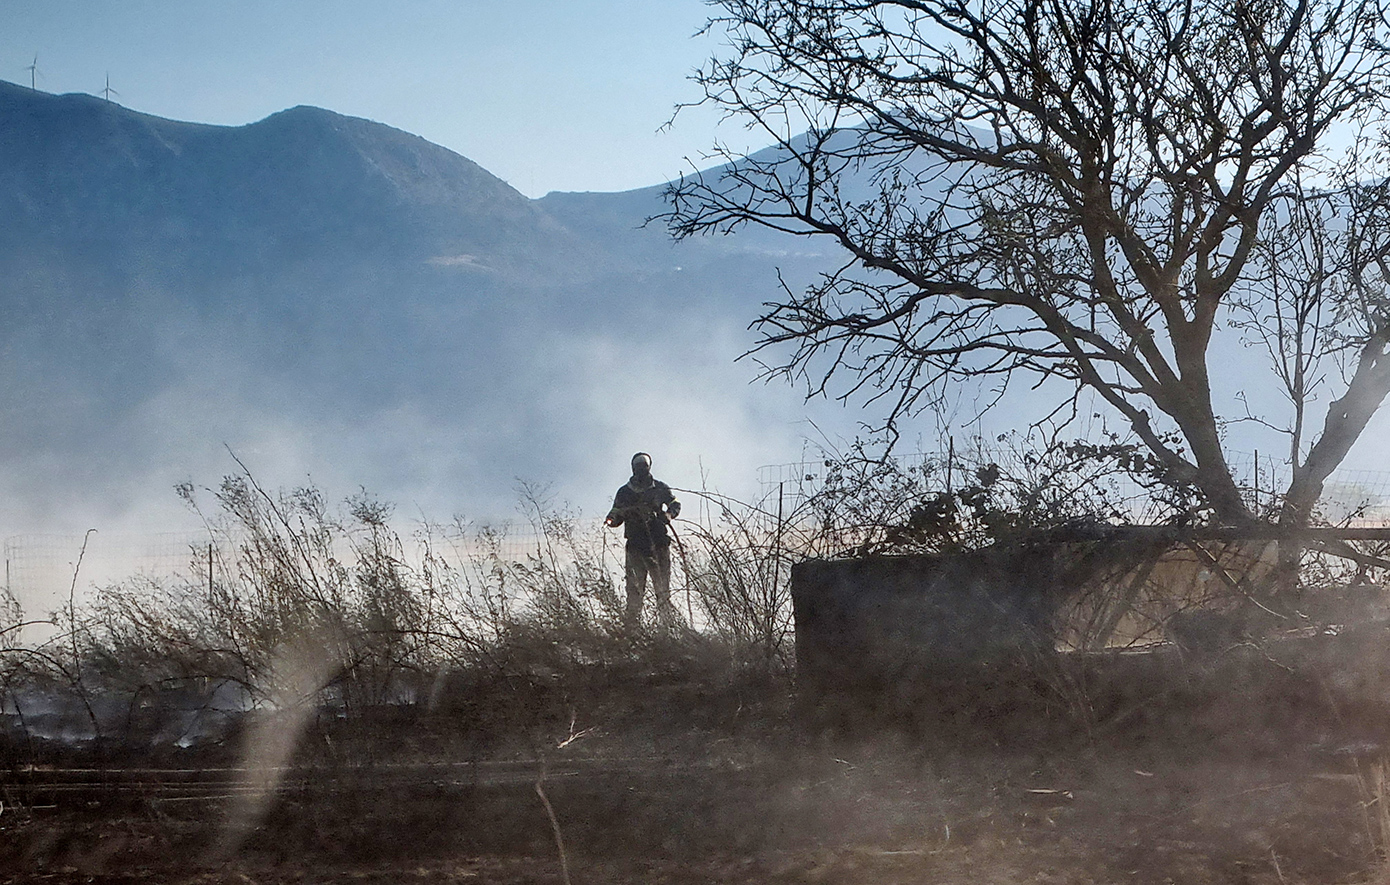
[108, 91]
[33, 70]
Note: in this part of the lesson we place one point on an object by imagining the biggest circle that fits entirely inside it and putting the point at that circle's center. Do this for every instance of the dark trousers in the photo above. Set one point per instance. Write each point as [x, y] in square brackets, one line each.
[641, 563]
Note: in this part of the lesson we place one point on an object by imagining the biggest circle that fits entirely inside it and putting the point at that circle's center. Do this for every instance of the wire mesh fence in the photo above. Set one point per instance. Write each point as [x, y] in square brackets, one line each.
[47, 566]
[43, 571]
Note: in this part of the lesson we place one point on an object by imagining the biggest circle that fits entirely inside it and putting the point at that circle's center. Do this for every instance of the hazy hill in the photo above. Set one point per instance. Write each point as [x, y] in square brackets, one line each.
[301, 184]
[334, 297]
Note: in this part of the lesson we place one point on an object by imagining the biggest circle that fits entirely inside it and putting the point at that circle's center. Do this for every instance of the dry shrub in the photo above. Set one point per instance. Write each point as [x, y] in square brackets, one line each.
[985, 492]
[446, 617]
[738, 573]
[399, 612]
[277, 568]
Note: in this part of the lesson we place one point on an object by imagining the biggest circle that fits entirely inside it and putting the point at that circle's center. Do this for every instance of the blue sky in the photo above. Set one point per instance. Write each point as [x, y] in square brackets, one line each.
[547, 94]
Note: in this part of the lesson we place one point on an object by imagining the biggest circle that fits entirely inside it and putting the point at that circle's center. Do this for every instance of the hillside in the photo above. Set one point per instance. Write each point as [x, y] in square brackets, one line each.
[337, 299]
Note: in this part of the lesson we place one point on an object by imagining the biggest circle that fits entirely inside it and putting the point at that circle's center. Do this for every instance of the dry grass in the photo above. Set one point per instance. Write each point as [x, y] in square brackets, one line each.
[441, 618]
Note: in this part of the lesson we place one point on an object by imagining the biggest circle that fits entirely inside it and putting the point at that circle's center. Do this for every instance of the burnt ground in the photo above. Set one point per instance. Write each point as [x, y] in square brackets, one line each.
[679, 783]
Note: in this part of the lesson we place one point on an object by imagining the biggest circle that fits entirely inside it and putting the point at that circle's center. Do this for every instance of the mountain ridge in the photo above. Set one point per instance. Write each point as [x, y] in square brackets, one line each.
[303, 182]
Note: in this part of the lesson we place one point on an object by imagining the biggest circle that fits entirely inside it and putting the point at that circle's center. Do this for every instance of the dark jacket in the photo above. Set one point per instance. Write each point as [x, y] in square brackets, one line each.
[641, 511]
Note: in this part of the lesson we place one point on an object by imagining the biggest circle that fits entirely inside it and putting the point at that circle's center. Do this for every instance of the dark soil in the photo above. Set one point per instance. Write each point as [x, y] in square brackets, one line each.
[687, 783]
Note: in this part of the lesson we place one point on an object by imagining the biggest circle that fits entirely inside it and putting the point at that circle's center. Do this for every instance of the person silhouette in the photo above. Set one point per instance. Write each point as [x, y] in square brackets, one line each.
[643, 506]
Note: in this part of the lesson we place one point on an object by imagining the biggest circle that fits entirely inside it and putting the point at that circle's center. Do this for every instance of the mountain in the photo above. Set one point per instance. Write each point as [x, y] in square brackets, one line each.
[301, 184]
[331, 297]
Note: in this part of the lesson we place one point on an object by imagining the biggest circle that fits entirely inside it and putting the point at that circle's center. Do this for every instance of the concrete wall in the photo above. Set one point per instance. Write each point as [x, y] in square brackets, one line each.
[866, 623]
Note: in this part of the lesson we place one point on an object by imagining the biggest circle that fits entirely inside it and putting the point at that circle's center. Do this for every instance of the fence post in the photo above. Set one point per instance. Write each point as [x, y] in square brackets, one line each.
[950, 462]
[771, 638]
[1257, 482]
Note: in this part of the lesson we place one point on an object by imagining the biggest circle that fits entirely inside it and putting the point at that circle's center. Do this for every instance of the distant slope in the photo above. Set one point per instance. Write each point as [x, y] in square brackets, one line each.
[331, 296]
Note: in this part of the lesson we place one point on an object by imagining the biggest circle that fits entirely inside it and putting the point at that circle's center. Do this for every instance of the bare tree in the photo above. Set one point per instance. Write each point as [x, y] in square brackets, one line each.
[1085, 193]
